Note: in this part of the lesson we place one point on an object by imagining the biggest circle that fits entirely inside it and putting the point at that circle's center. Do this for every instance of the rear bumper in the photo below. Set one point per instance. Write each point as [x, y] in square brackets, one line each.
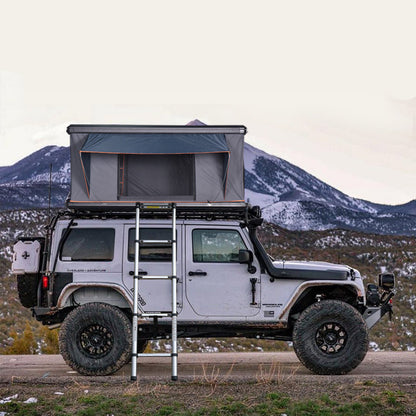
[48, 316]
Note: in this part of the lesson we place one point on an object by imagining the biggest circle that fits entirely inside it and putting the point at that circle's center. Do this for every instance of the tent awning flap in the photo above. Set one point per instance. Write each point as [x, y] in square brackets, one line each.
[152, 143]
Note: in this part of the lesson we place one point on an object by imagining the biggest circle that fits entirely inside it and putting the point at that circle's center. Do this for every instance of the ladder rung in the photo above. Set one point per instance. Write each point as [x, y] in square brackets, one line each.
[155, 314]
[155, 354]
[155, 241]
[144, 277]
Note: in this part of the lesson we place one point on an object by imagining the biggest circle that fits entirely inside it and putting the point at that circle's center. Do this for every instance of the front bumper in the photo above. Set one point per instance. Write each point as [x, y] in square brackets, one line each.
[373, 314]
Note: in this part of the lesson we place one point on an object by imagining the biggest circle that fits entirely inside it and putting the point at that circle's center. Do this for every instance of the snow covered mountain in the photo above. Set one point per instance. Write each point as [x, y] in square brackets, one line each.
[267, 174]
[294, 199]
[25, 184]
[289, 196]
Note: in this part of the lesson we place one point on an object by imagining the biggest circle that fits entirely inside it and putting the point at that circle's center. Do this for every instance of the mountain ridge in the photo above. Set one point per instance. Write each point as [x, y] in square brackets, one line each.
[289, 196]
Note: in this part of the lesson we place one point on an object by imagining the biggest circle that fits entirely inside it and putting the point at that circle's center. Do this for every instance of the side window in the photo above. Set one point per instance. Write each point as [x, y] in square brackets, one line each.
[155, 252]
[89, 244]
[216, 246]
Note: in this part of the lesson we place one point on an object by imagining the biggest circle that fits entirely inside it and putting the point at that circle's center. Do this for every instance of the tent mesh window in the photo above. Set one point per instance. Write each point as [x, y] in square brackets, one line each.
[156, 176]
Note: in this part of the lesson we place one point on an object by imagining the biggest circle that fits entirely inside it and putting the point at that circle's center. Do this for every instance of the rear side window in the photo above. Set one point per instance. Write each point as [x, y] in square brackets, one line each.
[89, 244]
[216, 246]
[154, 252]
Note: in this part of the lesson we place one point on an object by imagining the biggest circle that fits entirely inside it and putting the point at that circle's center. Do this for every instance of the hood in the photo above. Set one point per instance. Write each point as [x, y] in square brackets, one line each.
[315, 266]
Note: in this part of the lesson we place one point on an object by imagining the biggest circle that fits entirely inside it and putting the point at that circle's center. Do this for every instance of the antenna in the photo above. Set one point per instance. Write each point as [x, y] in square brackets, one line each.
[50, 192]
[47, 234]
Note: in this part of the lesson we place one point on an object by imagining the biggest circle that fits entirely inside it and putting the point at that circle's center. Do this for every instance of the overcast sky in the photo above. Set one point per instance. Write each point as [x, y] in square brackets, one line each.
[327, 85]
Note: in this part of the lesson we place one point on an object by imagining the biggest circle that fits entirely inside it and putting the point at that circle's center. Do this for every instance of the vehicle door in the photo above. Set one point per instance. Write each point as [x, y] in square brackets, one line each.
[155, 259]
[216, 283]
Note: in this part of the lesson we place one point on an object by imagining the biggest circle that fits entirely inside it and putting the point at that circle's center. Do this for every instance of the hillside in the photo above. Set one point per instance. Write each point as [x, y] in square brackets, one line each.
[369, 253]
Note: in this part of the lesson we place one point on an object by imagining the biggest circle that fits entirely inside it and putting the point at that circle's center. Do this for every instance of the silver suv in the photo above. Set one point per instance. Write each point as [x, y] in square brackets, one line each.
[82, 277]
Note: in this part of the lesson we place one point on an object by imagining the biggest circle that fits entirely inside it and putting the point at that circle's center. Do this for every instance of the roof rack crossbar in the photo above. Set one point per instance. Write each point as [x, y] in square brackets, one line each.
[242, 212]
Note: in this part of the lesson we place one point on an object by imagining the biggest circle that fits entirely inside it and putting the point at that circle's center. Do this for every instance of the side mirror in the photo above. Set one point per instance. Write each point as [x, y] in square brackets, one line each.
[246, 257]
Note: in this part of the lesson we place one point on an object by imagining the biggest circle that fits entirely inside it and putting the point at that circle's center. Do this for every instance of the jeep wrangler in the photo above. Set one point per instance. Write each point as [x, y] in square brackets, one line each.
[82, 277]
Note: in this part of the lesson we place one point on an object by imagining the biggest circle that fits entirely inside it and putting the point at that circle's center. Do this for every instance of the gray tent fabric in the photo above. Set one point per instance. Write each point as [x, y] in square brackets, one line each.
[150, 175]
[113, 167]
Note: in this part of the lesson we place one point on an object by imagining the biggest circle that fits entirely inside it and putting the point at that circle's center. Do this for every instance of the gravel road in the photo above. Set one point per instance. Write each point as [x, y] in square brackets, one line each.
[378, 366]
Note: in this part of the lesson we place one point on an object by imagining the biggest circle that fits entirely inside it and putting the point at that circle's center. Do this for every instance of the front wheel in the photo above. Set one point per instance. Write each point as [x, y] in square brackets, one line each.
[95, 339]
[330, 337]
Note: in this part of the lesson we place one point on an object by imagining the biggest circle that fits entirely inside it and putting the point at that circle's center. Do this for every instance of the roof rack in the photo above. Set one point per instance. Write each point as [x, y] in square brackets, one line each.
[207, 211]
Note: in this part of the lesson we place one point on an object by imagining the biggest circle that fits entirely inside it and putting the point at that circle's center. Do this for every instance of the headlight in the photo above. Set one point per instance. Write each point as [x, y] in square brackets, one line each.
[373, 298]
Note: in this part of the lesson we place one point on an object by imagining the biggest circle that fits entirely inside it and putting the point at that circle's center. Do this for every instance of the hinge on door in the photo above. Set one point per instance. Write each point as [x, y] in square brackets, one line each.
[253, 282]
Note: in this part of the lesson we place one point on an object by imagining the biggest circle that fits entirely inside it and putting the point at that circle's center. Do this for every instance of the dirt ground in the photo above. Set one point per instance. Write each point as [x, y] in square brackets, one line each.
[201, 394]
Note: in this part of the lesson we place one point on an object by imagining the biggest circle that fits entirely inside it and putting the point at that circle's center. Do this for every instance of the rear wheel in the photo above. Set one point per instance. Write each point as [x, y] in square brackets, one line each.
[330, 337]
[96, 339]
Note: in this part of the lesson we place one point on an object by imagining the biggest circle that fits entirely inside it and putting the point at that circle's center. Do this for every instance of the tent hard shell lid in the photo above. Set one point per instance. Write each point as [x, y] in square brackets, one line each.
[113, 167]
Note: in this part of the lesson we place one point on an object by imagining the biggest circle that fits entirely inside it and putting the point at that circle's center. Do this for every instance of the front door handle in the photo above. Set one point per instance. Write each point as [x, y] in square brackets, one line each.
[197, 273]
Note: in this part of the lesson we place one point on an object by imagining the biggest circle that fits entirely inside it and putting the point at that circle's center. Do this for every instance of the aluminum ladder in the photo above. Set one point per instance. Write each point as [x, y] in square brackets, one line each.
[168, 208]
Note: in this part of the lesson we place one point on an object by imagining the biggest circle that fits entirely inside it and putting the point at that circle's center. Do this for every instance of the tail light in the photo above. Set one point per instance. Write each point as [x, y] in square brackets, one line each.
[45, 282]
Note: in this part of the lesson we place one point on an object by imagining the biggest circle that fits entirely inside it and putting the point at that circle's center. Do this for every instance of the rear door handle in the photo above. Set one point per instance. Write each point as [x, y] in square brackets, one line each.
[141, 273]
[197, 273]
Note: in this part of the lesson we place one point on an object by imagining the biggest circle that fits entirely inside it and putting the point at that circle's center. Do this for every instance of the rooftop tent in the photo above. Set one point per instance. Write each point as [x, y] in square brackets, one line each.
[117, 166]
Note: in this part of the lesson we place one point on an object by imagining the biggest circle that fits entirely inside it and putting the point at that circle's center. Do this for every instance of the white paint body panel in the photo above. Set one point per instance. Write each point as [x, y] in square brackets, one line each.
[223, 295]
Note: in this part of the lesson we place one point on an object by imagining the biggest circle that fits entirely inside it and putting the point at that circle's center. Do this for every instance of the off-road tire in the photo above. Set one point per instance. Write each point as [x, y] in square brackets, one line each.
[95, 339]
[330, 337]
[27, 288]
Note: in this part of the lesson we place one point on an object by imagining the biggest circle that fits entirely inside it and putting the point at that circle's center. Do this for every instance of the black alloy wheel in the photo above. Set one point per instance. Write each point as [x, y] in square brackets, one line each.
[331, 338]
[96, 341]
